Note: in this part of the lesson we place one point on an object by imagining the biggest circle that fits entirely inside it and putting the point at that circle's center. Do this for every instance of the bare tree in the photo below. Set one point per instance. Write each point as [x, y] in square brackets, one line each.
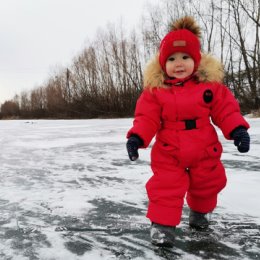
[10, 109]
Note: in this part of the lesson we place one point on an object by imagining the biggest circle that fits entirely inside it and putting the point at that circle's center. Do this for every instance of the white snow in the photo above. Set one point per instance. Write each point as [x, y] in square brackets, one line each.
[54, 169]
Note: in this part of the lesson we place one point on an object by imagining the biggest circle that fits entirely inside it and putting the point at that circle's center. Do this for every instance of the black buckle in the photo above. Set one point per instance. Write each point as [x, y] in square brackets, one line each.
[190, 124]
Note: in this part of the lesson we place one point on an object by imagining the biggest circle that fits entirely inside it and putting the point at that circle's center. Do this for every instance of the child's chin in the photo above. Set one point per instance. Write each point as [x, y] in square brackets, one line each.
[180, 77]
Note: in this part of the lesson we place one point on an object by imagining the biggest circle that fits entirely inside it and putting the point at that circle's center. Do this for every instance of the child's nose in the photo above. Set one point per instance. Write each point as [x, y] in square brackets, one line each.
[178, 63]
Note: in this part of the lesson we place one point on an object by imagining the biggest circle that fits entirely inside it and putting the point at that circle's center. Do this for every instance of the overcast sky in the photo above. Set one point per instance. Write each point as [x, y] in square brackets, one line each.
[38, 35]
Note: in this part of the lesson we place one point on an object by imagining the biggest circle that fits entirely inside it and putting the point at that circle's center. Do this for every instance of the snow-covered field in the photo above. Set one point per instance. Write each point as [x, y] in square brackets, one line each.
[68, 191]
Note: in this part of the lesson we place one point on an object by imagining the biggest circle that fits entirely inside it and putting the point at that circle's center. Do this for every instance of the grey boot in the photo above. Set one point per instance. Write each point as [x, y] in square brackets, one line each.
[162, 235]
[198, 220]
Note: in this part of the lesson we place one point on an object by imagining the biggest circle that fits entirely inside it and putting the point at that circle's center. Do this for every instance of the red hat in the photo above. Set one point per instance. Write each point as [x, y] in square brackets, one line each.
[183, 38]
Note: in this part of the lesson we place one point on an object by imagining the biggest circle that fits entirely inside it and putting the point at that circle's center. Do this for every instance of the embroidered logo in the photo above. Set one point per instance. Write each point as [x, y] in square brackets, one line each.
[179, 43]
[208, 96]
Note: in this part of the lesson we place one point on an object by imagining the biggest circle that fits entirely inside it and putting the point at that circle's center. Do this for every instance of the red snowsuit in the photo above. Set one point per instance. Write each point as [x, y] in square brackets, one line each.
[185, 158]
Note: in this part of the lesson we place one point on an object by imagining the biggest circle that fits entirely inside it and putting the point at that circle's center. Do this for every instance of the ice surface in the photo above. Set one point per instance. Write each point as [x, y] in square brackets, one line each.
[68, 191]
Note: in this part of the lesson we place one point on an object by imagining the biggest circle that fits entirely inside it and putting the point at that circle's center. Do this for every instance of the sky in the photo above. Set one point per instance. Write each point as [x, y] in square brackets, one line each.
[38, 36]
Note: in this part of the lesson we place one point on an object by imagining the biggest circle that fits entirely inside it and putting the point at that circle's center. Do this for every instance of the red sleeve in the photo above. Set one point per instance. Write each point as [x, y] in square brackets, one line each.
[225, 111]
[147, 119]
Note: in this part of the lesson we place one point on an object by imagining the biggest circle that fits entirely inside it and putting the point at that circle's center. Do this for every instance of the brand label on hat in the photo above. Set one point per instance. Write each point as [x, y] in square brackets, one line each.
[179, 43]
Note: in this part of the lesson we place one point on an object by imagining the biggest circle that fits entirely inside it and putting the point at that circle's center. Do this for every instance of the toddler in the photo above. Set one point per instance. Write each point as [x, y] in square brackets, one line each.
[183, 95]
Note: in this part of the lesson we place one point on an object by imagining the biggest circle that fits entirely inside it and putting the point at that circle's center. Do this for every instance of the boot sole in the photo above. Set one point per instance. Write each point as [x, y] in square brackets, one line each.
[166, 244]
[199, 228]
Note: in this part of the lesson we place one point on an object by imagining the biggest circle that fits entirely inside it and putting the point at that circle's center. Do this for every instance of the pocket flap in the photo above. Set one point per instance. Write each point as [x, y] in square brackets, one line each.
[215, 150]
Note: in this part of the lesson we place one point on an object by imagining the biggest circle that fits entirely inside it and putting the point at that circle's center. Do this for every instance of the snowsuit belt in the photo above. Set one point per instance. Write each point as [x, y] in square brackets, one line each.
[186, 124]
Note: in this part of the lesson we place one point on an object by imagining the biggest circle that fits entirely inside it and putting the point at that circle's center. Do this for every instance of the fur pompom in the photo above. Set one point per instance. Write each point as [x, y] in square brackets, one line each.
[188, 23]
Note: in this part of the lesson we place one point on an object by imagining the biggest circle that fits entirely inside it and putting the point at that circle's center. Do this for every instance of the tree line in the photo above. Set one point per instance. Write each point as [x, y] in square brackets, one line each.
[106, 78]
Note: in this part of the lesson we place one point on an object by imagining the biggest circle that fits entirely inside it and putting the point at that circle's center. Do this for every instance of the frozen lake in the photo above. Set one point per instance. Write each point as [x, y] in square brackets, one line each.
[69, 191]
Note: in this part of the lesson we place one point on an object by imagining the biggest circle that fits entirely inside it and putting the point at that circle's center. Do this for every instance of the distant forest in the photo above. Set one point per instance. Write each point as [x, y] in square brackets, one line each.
[106, 78]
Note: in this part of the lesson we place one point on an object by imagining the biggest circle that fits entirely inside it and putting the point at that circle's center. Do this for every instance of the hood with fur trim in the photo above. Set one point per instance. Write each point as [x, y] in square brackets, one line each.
[209, 70]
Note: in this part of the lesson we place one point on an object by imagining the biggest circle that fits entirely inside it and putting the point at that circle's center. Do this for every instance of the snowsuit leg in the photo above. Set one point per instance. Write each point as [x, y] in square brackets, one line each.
[166, 188]
[206, 181]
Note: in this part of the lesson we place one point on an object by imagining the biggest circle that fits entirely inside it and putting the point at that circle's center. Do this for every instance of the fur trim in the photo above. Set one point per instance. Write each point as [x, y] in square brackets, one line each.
[209, 70]
[153, 73]
[188, 23]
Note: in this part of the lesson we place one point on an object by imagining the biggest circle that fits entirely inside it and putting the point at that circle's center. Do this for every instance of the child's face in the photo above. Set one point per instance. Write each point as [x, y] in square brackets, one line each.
[179, 65]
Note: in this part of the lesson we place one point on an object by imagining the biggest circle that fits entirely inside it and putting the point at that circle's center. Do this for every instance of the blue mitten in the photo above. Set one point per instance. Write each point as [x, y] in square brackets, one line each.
[241, 139]
[132, 145]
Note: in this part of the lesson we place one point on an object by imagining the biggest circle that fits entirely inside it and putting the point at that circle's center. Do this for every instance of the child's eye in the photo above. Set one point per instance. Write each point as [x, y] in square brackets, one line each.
[185, 57]
[171, 59]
